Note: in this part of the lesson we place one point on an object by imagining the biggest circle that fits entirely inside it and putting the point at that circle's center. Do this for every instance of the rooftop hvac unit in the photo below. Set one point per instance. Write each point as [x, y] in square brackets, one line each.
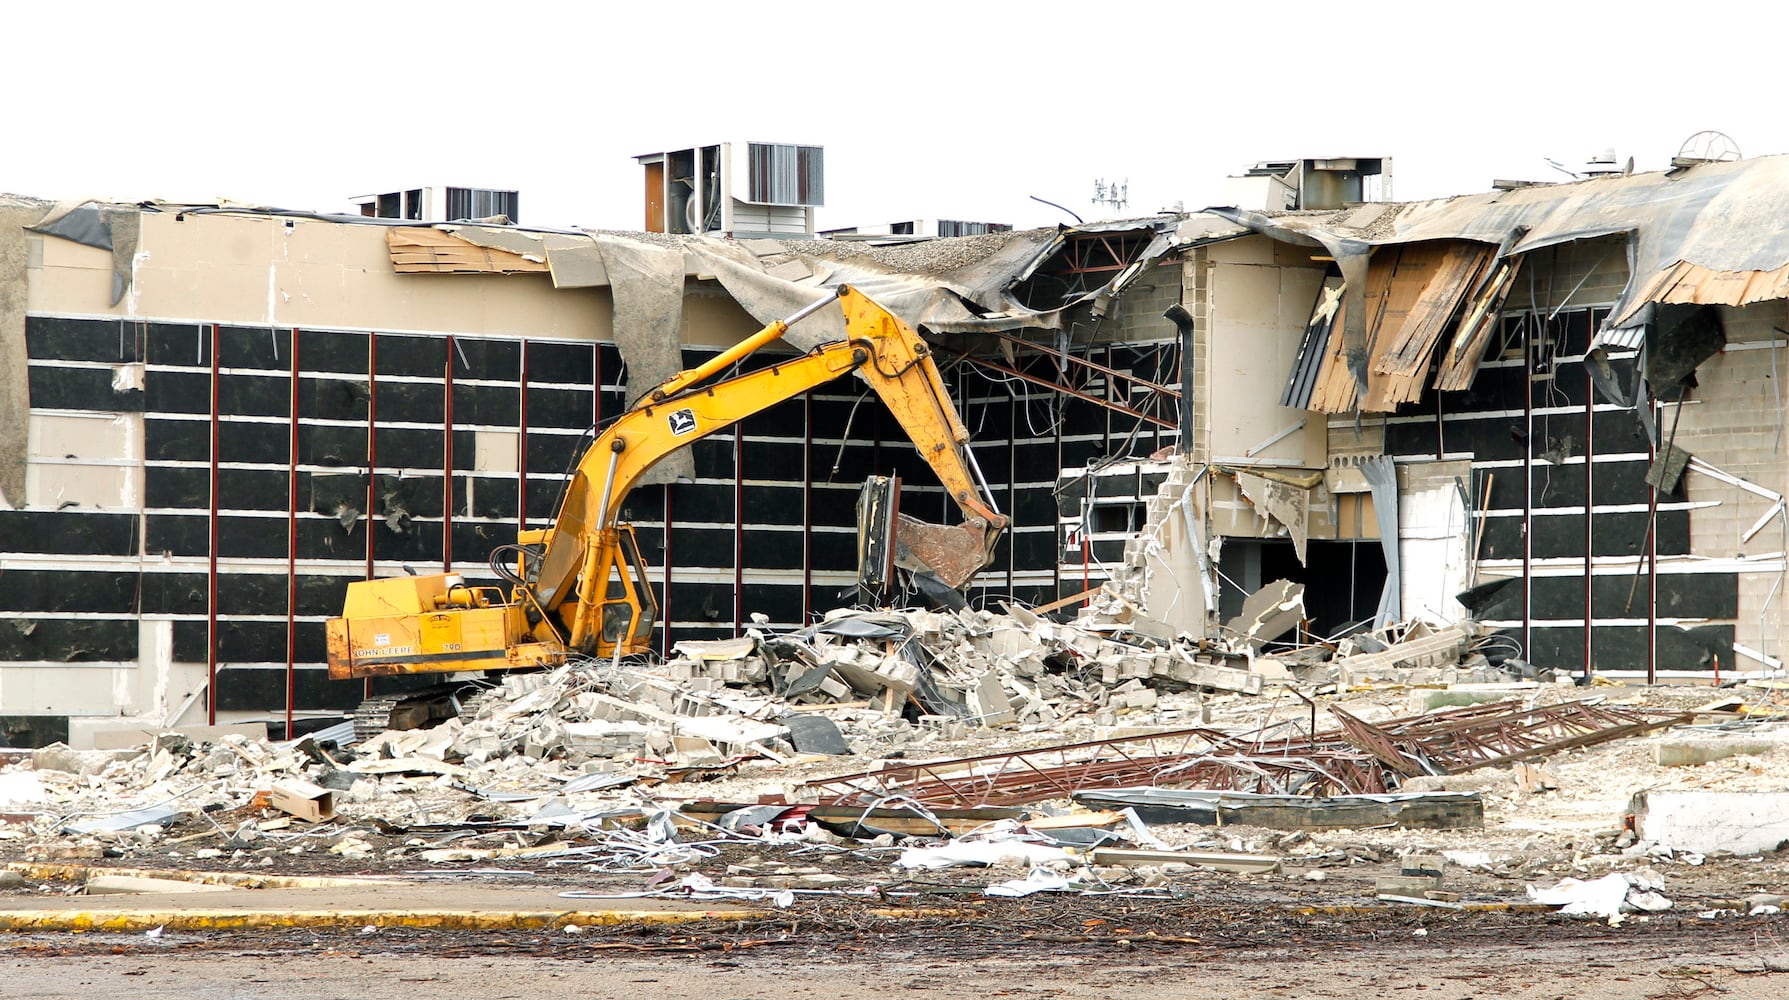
[440, 204]
[743, 189]
[1332, 182]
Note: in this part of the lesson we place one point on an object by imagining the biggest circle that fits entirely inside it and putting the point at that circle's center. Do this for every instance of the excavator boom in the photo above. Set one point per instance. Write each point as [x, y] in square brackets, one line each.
[580, 586]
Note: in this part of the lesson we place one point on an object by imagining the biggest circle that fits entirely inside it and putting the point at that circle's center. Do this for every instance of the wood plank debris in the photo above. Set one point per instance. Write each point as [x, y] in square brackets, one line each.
[1241, 864]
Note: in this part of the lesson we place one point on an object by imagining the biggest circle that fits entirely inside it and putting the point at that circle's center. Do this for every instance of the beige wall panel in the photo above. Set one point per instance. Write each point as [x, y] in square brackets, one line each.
[68, 277]
[53, 251]
[711, 318]
[1257, 316]
[260, 271]
[64, 691]
[51, 486]
[67, 435]
[497, 451]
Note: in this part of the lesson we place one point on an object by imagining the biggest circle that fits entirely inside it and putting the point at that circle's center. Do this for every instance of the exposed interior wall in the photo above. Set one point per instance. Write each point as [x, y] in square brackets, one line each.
[1734, 420]
[15, 405]
[1434, 529]
[1258, 297]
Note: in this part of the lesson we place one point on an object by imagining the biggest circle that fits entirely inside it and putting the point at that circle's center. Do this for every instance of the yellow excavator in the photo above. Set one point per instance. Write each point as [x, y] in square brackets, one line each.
[580, 588]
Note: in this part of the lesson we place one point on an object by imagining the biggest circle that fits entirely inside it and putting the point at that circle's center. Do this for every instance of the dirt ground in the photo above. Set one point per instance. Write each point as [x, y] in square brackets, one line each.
[1186, 955]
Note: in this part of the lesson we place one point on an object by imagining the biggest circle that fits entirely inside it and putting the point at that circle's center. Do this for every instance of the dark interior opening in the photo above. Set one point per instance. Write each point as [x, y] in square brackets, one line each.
[1342, 580]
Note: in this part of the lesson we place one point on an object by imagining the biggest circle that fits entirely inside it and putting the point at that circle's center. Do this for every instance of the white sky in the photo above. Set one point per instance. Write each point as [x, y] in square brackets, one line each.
[927, 109]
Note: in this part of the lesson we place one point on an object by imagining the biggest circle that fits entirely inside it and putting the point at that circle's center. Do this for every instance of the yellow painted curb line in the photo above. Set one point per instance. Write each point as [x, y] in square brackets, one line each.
[447, 920]
[242, 880]
[453, 920]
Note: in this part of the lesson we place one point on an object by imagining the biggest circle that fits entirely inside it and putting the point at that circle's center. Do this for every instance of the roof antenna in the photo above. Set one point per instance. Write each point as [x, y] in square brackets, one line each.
[1078, 219]
[1562, 168]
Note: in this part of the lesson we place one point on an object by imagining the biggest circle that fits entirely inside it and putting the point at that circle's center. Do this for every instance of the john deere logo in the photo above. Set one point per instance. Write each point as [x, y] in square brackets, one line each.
[682, 421]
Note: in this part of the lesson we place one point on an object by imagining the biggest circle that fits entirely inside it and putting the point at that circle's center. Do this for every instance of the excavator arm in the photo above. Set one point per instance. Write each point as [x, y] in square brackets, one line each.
[573, 581]
[580, 585]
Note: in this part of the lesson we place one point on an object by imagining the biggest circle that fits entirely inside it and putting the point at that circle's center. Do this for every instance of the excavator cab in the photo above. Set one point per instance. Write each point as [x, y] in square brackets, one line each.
[629, 609]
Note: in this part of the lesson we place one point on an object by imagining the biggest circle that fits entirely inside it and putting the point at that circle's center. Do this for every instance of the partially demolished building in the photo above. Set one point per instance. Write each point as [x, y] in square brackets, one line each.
[1554, 409]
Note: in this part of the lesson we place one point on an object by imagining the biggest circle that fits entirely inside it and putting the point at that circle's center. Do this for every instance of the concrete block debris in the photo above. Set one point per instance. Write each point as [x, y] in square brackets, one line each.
[1739, 822]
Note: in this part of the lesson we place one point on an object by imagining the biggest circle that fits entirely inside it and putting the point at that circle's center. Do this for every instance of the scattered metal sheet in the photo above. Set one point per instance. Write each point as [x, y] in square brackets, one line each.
[1421, 810]
[812, 733]
[598, 781]
[159, 815]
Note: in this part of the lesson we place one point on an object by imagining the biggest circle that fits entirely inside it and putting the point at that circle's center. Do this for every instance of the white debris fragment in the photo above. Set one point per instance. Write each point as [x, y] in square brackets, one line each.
[981, 853]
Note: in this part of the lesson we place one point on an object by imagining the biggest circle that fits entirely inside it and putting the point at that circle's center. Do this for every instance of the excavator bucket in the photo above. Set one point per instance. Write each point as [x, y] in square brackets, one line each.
[954, 553]
[888, 539]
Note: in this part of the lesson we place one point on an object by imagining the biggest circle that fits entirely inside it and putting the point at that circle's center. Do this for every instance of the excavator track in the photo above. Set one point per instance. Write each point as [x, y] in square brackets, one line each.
[373, 716]
[417, 709]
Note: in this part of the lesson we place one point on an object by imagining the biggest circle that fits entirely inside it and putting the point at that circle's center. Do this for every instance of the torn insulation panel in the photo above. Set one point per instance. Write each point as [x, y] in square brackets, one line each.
[1409, 298]
[1284, 502]
[427, 250]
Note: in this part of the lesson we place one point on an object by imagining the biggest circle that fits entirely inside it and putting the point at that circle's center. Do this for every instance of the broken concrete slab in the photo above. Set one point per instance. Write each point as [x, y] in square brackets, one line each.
[1406, 885]
[1269, 613]
[1696, 750]
[123, 885]
[1705, 822]
[1206, 675]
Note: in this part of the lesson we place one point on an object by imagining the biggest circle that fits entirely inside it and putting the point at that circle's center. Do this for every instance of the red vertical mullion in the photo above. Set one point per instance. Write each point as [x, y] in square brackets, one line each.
[372, 461]
[292, 540]
[807, 507]
[738, 528]
[522, 443]
[211, 569]
[447, 462]
[665, 609]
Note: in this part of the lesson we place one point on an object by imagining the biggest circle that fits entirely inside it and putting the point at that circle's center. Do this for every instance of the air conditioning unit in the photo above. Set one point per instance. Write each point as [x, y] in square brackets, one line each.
[440, 204]
[1330, 182]
[917, 229]
[740, 189]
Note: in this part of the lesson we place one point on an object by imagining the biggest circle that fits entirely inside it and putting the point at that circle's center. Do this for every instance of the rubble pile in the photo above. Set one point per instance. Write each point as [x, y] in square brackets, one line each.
[1089, 756]
[978, 668]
